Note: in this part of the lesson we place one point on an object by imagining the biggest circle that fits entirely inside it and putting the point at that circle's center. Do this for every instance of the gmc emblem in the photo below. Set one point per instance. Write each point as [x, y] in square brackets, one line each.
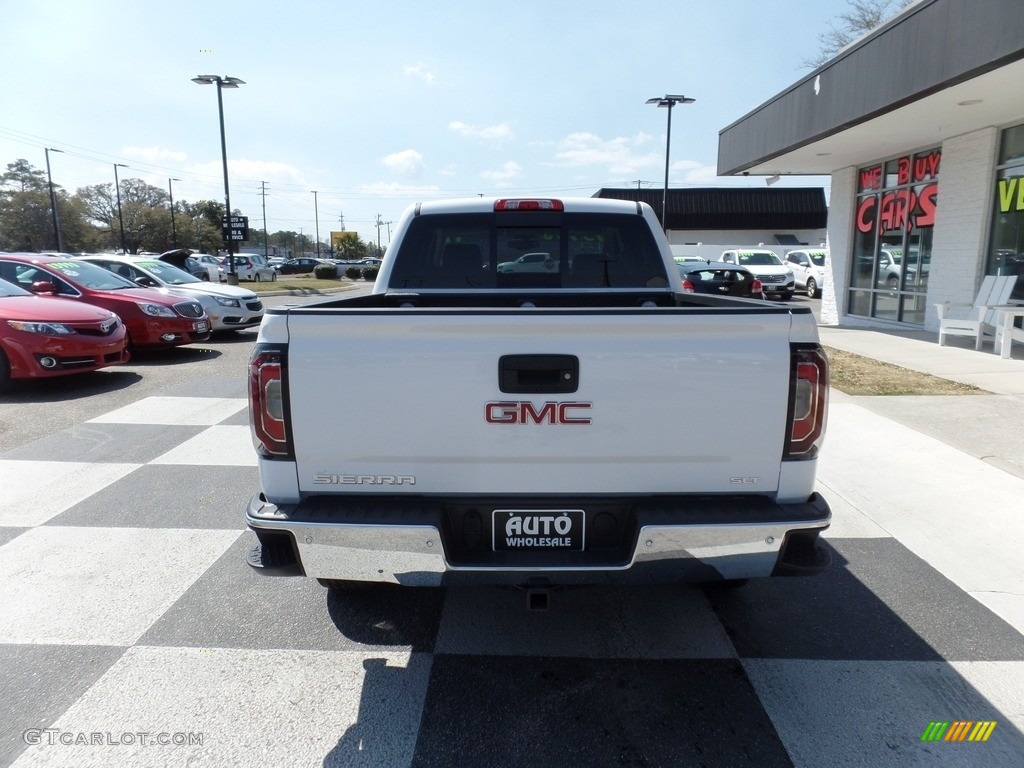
[512, 412]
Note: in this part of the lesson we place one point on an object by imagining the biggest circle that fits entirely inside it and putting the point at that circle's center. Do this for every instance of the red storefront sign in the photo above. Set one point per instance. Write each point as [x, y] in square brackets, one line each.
[900, 208]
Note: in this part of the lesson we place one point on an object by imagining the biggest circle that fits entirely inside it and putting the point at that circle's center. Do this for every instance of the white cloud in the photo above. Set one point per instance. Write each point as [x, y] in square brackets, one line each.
[510, 171]
[383, 189]
[408, 162]
[500, 132]
[154, 155]
[619, 156]
[420, 71]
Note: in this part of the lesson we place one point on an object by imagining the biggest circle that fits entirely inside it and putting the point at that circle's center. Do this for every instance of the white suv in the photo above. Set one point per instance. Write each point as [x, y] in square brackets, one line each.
[530, 262]
[809, 269]
[776, 278]
[249, 266]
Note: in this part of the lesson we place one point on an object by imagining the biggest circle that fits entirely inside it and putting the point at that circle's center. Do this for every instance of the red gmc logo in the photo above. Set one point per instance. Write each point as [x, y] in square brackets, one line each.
[511, 412]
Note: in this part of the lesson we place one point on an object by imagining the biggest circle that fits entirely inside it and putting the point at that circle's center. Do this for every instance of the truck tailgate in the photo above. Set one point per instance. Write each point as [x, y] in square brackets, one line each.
[669, 400]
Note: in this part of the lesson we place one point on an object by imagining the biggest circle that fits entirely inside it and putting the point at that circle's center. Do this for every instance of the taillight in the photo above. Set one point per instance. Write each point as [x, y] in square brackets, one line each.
[528, 205]
[266, 401]
[808, 402]
[687, 285]
[757, 286]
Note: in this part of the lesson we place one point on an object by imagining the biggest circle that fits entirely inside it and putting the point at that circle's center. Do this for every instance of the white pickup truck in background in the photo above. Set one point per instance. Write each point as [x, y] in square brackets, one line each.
[583, 425]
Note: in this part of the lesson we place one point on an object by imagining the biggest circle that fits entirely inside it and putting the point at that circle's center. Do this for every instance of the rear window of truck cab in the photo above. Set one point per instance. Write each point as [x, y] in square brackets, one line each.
[561, 250]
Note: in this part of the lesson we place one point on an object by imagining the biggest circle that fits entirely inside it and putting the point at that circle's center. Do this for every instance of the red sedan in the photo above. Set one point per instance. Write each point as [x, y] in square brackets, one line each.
[45, 336]
[154, 318]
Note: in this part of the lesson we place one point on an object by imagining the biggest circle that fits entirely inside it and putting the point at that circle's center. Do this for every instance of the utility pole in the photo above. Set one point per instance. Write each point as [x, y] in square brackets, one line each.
[263, 193]
[379, 223]
[316, 212]
[174, 231]
[120, 218]
[53, 200]
[341, 220]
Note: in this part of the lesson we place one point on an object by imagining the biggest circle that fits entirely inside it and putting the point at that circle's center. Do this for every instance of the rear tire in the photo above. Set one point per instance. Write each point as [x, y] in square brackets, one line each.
[5, 373]
[812, 288]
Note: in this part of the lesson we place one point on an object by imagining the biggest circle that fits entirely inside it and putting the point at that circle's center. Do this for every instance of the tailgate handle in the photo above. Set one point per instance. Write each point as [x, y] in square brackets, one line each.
[538, 374]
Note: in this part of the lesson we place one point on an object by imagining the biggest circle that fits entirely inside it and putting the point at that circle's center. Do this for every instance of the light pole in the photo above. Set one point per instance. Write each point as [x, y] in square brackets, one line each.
[224, 82]
[668, 102]
[174, 232]
[53, 200]
[316, 213]
[120, 218]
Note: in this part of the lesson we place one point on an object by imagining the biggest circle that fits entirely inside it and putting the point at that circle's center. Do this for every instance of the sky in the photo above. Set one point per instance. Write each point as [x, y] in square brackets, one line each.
[378, 105]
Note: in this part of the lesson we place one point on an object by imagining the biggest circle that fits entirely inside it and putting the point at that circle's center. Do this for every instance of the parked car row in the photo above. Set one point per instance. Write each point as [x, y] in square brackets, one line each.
[61, 314]
[802, 270]
[229, 307]
[252, 267]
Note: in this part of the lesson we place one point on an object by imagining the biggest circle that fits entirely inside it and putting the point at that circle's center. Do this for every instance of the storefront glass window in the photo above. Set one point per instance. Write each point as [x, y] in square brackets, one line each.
[1006, 244]
[895, 218]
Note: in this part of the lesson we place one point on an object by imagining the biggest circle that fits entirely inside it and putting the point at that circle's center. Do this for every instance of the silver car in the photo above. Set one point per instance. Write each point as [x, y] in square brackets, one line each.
[249, 266]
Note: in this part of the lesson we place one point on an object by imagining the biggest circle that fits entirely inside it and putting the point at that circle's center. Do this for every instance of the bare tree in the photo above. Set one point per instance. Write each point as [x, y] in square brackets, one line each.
[861, 16]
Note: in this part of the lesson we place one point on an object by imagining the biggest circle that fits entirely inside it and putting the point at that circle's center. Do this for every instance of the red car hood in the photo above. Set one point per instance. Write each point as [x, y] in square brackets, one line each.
[49, 309]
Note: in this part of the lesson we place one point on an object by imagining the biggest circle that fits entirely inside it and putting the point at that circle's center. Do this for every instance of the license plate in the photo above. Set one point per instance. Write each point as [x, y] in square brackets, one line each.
[537, 530]
[201, 326]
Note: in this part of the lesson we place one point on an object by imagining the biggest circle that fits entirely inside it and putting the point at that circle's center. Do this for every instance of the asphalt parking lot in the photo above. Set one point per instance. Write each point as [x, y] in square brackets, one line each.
[132, 632]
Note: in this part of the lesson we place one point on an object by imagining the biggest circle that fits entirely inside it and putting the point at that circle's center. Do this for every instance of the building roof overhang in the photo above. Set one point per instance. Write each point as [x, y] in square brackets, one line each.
[940, 69]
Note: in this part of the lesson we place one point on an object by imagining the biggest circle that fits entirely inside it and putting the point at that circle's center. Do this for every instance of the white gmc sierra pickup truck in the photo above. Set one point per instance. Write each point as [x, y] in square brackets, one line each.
[587, 424]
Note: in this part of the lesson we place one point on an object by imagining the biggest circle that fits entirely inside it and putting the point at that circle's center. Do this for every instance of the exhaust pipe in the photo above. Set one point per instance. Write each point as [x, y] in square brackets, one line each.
[538, 599]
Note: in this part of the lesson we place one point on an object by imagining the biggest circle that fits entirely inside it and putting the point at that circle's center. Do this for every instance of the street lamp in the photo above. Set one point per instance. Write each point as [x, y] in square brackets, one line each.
[174, 232]
[120, 218]
[53, 200]
[316, 213]
[668, 102]
[224, 82]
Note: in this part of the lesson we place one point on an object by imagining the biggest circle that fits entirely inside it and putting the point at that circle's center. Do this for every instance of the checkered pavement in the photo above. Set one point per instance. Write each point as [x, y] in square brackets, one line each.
[128, 616]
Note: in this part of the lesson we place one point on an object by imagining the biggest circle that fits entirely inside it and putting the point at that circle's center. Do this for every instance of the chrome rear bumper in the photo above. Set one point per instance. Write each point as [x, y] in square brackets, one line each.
[401, 548]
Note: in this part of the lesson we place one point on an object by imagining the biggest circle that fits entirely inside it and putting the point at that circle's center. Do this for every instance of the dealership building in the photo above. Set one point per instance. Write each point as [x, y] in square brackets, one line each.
[920, 125]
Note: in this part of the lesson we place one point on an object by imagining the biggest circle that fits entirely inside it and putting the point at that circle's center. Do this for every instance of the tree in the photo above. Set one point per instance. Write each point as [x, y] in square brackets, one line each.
[20, 176]
[201, 228]
[351, 248]
[26, 222]
[860, 17]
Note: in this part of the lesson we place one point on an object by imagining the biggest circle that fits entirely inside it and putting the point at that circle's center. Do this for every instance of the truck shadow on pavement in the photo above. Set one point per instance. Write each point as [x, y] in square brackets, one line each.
[628, 676]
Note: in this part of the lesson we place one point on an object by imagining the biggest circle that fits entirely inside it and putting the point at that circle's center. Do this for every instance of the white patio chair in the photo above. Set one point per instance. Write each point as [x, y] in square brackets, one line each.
[979, 318]
[1007, 328]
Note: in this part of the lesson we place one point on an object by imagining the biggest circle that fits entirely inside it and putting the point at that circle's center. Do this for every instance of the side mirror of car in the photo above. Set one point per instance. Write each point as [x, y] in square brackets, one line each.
[43, 286]
[146, 282]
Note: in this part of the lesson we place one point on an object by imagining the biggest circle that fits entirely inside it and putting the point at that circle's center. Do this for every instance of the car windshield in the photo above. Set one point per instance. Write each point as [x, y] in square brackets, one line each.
[167, 273]
[760, 259]
[817, 257]
[84, 274]
[10, 289]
